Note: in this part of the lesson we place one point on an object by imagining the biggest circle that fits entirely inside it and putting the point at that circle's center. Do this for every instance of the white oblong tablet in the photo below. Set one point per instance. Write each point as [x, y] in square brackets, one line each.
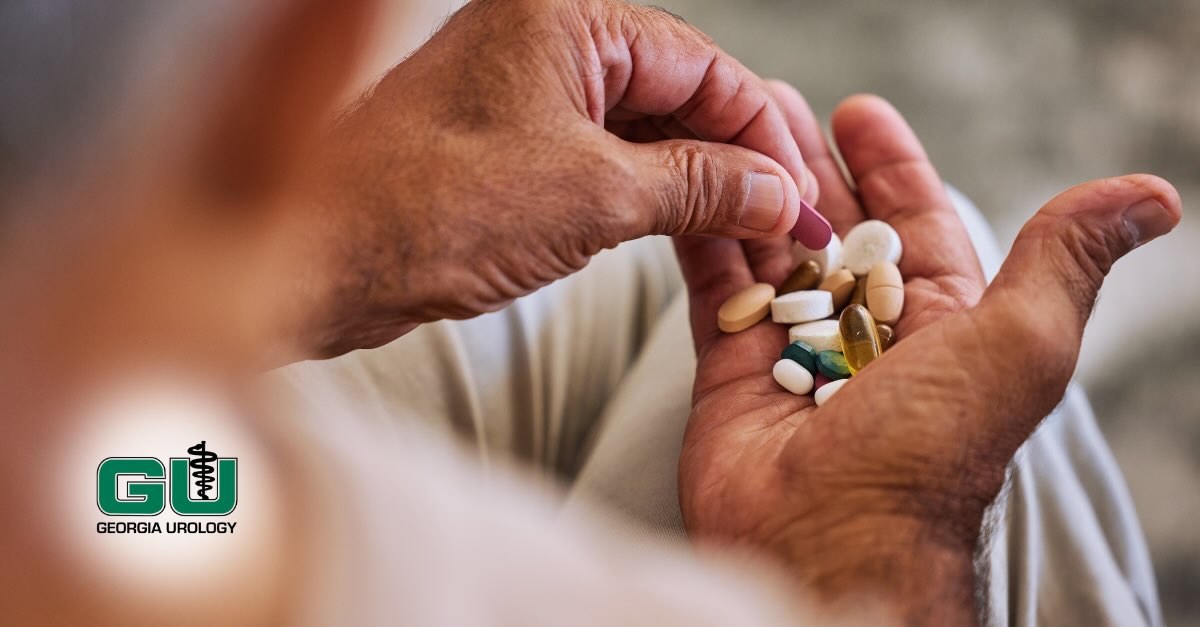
[869, 243]
[822, 335]
[793, 377]
[829, 258]
[802, 306]
[829, 389]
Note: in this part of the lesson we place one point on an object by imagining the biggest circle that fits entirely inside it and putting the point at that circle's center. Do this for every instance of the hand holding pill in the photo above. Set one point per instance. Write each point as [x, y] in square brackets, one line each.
[905, 445]
[563, 128]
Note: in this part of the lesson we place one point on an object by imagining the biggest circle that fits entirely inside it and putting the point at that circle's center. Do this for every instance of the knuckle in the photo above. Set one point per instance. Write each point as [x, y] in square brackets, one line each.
[1087, 252]
[658, 19]
[529, 7]
[603, 190]
[698, 200]
[782, 84]
[665, 13]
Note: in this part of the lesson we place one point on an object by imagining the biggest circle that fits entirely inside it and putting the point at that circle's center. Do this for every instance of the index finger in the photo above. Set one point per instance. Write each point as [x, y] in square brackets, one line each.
[653, 63]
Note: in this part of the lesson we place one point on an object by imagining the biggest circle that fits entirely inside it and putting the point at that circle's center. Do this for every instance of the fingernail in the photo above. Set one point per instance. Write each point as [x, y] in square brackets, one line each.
[764, 202]
[1147, 220]
[812, 229]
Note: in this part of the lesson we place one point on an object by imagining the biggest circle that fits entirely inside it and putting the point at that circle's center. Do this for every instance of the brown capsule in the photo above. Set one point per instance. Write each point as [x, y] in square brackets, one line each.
[859, 296]
[841, 285]
[806, 276]
[886, 336]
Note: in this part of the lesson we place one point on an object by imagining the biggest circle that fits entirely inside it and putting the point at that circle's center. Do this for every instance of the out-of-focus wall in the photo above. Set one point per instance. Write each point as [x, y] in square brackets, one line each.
[1016, 101]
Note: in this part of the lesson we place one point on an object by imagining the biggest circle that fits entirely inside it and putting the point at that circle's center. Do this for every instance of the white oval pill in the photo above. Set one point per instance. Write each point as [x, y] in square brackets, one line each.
[869, 243]
[825, 391]
[793, 377]
[822, 335]
[803, 306]
[829, 258]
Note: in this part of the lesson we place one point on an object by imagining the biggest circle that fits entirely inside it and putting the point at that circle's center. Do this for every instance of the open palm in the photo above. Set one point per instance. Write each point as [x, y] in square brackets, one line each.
[914, 447]
[741, 415]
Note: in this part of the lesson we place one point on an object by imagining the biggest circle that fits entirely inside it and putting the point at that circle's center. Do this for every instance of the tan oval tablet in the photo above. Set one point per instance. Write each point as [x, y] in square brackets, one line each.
[885, 292]
[841, 285]
[745, 308]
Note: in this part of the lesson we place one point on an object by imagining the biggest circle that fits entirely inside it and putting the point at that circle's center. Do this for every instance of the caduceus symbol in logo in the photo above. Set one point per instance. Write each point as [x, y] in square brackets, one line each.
[202, 468]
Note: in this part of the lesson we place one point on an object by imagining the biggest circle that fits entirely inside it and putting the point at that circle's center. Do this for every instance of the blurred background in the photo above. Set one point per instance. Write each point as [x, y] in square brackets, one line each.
[1016, 101]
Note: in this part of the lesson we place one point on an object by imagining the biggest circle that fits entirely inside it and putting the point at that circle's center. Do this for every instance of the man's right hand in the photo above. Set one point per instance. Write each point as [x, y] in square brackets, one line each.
[882, 490]
[524, 138]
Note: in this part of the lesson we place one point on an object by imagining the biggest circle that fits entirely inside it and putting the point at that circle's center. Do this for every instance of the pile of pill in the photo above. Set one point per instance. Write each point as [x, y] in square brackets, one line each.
[842, 301]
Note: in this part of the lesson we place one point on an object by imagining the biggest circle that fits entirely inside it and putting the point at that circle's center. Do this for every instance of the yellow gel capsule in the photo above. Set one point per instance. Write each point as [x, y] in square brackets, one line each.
[860, 339]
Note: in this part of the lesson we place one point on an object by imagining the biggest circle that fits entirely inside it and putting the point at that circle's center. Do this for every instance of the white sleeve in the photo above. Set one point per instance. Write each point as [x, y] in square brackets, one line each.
[417, 537]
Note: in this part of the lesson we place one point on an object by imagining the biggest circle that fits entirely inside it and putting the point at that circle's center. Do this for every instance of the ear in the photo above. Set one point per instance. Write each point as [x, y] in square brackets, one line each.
[278, 95]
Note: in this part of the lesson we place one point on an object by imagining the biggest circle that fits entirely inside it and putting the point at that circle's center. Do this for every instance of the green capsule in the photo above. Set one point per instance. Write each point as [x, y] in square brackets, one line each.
[832, 364]
[802, 354]
[860, 339]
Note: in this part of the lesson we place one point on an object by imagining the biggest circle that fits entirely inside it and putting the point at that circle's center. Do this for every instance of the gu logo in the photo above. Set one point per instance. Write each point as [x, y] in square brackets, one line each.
[146, 488]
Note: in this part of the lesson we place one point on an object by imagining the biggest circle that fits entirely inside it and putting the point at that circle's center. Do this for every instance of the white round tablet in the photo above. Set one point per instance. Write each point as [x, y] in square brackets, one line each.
[792, 376]
[829, 389]
[869, 243]
[802, 306]
[822, 335]
[829, 258]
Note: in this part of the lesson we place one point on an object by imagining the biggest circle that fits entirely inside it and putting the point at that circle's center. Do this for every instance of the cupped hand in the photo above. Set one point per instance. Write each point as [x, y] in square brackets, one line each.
[526, 136]
[882, 489]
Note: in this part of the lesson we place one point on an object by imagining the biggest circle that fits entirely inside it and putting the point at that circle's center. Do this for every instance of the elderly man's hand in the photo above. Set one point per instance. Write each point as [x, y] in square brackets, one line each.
[525, 137]
[883, 489]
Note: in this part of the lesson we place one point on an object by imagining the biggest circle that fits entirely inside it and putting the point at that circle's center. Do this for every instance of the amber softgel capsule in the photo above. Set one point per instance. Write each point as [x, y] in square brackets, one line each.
[860, 339]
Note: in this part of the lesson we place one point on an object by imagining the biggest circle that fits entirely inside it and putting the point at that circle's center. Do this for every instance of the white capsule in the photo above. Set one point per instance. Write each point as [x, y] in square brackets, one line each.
[828, 390]
[869, 243]
[822, 335]
[802, 306]
[829, 258]
[793, 377]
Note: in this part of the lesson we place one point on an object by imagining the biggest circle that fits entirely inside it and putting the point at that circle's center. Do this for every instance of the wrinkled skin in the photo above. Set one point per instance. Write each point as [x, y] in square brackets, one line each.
[511, 148]
[530, 134]
[883, 489]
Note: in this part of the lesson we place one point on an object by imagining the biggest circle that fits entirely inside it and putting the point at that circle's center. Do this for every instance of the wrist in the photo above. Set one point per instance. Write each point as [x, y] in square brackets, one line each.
[915, 572]
[349, 301]
[365, 278]
[345, 292]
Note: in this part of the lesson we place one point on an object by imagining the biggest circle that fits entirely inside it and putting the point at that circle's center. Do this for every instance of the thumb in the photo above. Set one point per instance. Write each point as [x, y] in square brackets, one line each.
[1014, 353]
[694, 187]
[1048, 285]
